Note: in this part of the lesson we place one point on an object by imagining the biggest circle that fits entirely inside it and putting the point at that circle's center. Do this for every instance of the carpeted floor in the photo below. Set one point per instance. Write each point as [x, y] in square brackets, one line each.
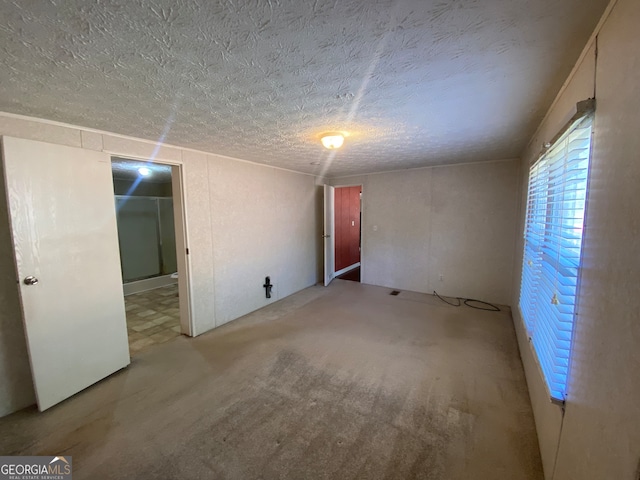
[344, 382]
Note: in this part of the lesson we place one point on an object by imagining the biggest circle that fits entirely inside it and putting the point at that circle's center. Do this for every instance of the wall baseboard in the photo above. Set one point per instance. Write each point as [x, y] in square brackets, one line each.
[148, 284]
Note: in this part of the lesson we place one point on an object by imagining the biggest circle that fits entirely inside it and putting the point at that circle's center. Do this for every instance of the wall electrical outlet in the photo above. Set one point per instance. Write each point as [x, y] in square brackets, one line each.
[442, 277]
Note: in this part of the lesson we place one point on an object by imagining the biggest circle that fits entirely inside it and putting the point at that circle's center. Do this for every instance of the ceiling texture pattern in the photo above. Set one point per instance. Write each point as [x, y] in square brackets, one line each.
[414, 82]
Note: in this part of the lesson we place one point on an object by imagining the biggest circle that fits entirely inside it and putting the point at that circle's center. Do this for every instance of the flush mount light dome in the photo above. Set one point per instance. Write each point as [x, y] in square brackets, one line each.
[332, 140]
[144, 171]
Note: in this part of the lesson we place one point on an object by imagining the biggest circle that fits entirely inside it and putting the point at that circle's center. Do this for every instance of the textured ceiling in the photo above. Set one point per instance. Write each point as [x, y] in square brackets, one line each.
[414, 82]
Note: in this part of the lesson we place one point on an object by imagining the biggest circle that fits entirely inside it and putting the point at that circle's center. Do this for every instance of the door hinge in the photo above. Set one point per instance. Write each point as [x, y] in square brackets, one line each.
[187, 251]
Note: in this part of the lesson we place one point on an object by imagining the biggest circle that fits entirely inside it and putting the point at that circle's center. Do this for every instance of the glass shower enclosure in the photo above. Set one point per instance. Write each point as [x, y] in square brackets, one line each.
[147, 237]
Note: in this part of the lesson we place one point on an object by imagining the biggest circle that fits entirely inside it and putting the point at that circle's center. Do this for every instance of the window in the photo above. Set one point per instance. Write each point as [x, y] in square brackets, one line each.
[552, 248]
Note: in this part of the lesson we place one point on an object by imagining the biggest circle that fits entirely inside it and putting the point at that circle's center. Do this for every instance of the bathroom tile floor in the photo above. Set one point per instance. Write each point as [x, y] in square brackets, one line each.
[153, 317]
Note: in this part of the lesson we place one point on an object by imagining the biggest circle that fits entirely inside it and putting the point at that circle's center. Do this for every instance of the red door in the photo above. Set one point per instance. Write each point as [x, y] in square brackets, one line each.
[347, 226]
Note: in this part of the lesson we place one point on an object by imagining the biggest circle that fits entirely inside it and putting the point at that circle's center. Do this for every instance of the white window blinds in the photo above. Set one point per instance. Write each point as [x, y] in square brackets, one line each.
[552, 246]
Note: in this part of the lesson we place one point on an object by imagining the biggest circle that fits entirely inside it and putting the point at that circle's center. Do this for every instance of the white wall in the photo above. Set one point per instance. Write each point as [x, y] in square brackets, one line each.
[599, 436]
[263, 225]
[244, 221]
[456, 220]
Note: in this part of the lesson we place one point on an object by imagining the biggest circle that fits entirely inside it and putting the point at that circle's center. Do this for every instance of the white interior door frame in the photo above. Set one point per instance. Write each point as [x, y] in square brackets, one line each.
[180, 214]
[362, 229]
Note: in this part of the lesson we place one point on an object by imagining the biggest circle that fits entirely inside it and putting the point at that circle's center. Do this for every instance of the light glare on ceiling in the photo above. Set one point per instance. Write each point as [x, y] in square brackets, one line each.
[332, 140]
[144, 171]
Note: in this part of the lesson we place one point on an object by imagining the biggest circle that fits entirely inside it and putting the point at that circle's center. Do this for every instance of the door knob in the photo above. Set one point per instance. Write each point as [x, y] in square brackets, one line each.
[30, 280]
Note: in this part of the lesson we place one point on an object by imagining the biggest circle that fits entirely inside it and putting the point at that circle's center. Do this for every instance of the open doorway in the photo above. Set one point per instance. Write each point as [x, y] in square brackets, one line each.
[149, 219]
[348, 232]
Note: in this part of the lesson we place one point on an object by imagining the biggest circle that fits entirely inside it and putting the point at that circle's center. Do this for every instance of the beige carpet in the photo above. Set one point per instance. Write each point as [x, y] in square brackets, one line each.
[346, 382]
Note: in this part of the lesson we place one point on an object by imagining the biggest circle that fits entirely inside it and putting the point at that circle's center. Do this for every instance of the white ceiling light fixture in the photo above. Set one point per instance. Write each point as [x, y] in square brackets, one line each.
[332, 140]
[144, 171]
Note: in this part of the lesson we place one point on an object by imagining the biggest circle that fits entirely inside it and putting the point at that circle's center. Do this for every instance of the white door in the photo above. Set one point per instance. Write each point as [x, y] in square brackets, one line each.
[329, 235]
[63, 224]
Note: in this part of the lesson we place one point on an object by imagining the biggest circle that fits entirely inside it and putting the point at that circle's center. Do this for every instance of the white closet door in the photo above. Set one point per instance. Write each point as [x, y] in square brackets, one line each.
[63, 223]
[329, 232]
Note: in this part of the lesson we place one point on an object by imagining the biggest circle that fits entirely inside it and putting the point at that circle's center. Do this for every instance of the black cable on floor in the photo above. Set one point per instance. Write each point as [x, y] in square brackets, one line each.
[492, 307]
[448, 303]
